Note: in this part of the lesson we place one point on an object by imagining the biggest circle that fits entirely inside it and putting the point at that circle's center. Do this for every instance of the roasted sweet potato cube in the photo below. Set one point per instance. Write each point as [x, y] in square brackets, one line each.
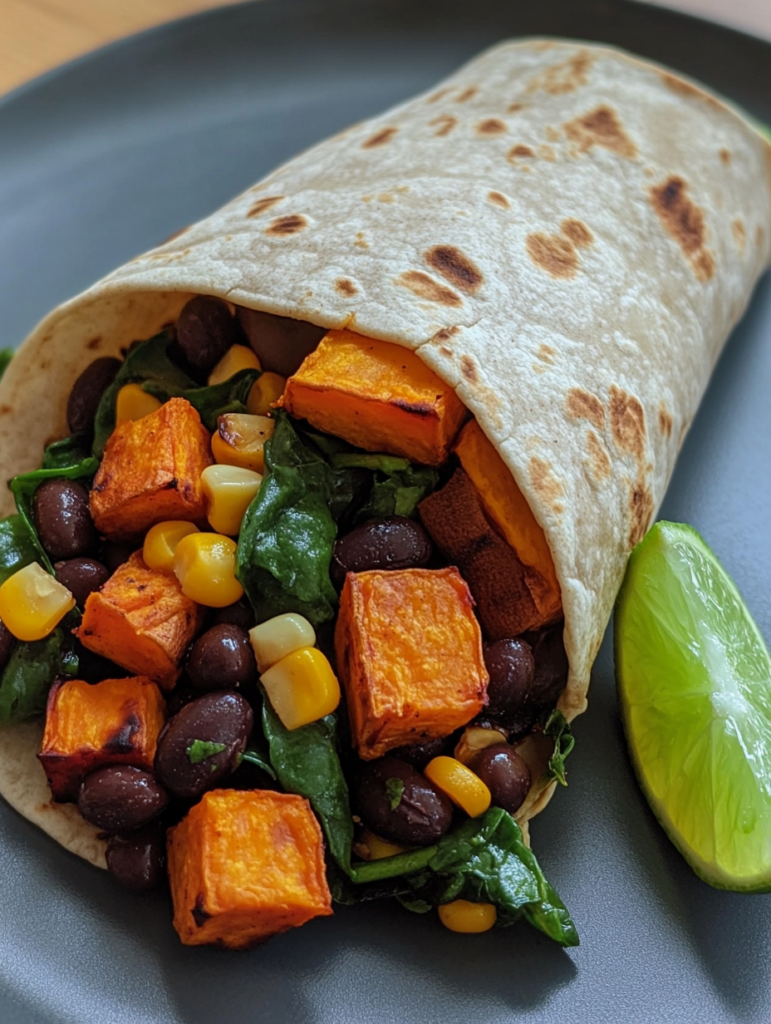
[151, 471]
[142, 621]
[245, 865]
[116, 721]
[409, 652]
[377, 395]
[507, 509]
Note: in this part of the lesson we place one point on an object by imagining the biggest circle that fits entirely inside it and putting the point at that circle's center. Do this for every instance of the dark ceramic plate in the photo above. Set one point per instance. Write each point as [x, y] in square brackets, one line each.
[108, 156]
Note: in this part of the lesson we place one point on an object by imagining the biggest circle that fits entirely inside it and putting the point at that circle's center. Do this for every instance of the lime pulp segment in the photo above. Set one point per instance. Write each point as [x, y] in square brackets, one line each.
[694, 680]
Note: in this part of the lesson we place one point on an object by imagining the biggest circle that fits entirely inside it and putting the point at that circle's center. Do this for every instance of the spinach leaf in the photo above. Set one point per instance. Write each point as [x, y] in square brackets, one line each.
[485, 860]
[6, 355]
[395, 486]
[558, 727]
[286, 539]
[57, 463]
[306, 762]
[252, 757]
[30, 672]
[18, 546]
[218, 399]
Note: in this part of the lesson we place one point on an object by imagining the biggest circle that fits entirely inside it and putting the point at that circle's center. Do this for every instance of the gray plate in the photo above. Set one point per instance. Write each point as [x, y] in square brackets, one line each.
[108, 156]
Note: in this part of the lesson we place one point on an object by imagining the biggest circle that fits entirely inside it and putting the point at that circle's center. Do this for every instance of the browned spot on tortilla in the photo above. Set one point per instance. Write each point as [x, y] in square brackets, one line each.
[5, 410]
[684, 221]
[546, 354]
[600, 459]
[175, 234]
[740, 234]
[552, 134]
[547, 153]
[263, 204]
[583, 405]
[345, 286]
[683, 88]
[499, 199]
[665, 421]
[444, 124]
[564, 77]
[627, 422]
[759, 235]
[435, 97]
[578, 233]
[425, 287]
[455, 267]
[380, 138]
[361, 241]
[386, 197]
[521, 153]
[725, 156]
[514, 108]
[469, 370]
[445, 333]
[641, 510]
[601, 127]
[491, 126]
[545, 484]
[467, 94]
[95, 343]
[553, 254]
[288, 225]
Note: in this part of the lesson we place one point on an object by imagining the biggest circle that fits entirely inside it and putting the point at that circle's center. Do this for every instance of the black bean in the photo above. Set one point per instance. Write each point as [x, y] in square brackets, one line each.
[81, 576]
[239, 614]
[138, 860]
[505, 774]
[394, 542]
[86, 393]
[399, 804]
[206, 329]
[119, 798]
[114, 554]
[63, 519]
[201, 744]
[183, 693]
[222, 659]
[511, 666]
[280, 342]
[419, 754]
[7, 643]
[551, 666]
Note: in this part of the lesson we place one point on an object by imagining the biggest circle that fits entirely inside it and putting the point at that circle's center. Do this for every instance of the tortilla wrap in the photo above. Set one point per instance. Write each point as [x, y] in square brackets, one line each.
[564, 233]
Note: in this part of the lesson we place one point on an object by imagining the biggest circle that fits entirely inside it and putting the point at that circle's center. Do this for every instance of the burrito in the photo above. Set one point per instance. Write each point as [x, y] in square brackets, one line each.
[495, 308]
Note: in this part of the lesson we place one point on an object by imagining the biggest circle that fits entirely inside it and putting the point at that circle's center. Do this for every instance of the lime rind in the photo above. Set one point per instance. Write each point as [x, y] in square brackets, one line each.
[694, 678]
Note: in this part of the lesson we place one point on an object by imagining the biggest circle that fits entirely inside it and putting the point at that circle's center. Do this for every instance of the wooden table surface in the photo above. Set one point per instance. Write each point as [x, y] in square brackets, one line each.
[36, 35]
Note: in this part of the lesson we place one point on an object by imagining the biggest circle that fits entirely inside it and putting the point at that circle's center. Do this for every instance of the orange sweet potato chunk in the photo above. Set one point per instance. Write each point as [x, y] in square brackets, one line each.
[409, 652]
[142, 621]
[377, 395]
[246, 865]
[151, 471]
[507, 508]
[116, 721]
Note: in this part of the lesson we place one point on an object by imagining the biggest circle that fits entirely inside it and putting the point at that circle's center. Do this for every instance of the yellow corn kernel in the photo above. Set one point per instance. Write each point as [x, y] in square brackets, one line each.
[133, 403]
[239, 440]
[469, 918]
[474, 739]
[266, 390]
[461, 785]
[274, 639]
[205, 565]
[378, 848]
[32, 603]
[161, 542]
[229, 491]
[237, 357]
[302, 687]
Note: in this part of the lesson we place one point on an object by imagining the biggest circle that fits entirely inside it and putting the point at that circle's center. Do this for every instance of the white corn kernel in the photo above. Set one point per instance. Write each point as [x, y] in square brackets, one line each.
[274, 639]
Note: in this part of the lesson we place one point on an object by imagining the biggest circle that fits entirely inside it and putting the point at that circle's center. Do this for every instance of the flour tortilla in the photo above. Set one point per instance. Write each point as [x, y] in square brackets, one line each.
[564, 233]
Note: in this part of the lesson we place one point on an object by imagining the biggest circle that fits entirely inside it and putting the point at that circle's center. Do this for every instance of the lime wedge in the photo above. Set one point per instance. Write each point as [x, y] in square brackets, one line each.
[694, 681]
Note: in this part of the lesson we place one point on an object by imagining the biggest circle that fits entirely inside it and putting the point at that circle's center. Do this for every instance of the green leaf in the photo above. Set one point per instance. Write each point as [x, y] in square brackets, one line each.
[64, 454]
[252, 757]
[202, 750]
[306, 762]
[30, 673]
[558, 727]
[398, 492]
[6, 355]
[18, 546]
[387, 464]
[395, 791]
[218, 399]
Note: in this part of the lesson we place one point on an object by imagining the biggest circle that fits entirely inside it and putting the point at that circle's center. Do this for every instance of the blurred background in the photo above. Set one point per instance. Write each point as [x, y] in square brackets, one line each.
[37, 35]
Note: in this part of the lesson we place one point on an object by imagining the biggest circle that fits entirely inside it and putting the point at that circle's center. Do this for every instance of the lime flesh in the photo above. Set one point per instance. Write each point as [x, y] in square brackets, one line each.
[694, 681]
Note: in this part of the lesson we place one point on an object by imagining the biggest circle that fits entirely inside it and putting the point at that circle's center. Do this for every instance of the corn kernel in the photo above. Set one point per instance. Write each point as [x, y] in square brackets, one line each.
[274, 639]
[239, 440]
[161, 542]
[469, 918]
[133, 403]
[302, 687]
[229, 491]
[237, 358]
[205, 565]
[32, 603]
[461, 785]
[378, 848]
[266, 390]
[474, 739]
